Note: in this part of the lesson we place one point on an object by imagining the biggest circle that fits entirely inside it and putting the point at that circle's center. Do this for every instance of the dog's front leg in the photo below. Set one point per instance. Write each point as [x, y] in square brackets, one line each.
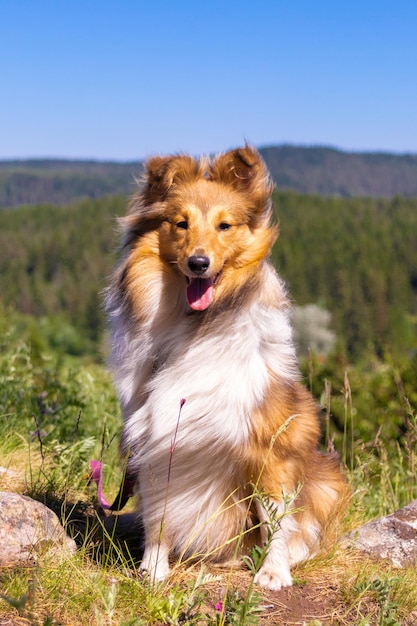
[275, 534]
[155, 560]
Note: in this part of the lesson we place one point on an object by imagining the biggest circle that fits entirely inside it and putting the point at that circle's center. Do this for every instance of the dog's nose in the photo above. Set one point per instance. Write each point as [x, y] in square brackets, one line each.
[198, 264]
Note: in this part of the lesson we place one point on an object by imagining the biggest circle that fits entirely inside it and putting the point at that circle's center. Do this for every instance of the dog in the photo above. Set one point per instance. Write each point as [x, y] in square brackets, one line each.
[219, 431]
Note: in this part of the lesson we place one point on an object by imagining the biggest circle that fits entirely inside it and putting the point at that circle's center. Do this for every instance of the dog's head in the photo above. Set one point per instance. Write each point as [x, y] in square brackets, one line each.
[213, 219]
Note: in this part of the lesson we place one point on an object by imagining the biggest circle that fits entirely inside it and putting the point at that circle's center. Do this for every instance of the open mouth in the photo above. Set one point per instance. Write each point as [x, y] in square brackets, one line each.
[200, 291]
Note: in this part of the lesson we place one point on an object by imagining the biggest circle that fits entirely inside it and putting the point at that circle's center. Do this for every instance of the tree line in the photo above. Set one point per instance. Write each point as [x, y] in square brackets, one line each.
[314, 169]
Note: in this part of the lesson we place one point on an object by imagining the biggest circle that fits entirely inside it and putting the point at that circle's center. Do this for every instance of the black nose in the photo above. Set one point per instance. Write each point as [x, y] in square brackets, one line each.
[198, 264]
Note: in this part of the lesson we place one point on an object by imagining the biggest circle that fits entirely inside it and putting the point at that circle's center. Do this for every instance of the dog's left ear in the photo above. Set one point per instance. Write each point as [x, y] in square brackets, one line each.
[245, 170]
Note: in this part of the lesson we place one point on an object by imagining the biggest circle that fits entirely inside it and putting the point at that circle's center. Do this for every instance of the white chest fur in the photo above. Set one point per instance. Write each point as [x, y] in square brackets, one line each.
[221, 375]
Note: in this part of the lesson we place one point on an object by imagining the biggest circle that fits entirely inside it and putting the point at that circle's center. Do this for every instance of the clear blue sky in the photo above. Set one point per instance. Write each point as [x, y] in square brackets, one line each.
[120, 79]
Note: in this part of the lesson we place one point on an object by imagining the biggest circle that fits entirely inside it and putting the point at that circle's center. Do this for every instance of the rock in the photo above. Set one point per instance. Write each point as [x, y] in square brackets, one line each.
[393, 537]
[6, 470]
[29, 530]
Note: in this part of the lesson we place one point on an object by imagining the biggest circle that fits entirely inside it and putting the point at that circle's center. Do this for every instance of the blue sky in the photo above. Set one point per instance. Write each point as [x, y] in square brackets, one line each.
[123, 79]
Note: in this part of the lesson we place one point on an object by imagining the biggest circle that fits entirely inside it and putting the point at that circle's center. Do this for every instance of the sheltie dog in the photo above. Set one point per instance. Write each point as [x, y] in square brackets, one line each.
[219, 432]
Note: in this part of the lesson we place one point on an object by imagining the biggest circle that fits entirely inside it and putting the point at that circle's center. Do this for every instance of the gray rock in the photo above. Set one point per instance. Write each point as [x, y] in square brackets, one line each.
[393, 537]
[29, 530]
[6, 470]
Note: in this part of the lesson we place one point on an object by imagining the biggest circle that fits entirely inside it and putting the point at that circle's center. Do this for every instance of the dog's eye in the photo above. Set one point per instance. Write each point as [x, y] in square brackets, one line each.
[224, 226]
[183, 224]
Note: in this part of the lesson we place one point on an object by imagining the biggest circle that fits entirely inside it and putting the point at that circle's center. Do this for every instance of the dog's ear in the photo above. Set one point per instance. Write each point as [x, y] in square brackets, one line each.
[245, 170]
[161, 173]
[146, 209]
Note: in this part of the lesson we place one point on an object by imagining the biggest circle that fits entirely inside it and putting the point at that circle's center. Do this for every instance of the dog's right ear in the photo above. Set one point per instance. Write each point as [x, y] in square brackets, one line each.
[146, 209]
[162, 173]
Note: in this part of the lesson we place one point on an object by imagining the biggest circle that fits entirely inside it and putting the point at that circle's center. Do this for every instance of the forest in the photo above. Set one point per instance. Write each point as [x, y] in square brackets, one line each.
[356, 258]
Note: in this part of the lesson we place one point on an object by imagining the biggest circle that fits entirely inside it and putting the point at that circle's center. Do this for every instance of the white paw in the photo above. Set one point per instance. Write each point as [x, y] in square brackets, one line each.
[156, 569]
[154, 576]
[273, 578]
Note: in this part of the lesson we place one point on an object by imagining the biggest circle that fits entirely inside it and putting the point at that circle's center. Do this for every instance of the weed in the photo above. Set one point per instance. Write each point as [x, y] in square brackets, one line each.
[381, 589]
[25, 607]
[237, 609]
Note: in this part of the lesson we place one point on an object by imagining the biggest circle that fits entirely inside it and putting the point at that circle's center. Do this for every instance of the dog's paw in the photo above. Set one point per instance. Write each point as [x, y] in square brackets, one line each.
[273, 578]
[154, 569]
[153, 576]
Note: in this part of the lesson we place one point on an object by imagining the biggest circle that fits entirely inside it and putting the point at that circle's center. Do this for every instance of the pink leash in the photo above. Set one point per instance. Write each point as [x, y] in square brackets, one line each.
[126, 489]
[127, 486]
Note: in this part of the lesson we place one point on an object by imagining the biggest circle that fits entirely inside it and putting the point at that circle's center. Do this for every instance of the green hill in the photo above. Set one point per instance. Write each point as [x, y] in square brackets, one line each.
[315, 170]
[61, 181]
[327, 171]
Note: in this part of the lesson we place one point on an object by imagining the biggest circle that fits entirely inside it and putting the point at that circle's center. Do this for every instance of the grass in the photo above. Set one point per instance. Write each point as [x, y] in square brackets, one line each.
[48, 432]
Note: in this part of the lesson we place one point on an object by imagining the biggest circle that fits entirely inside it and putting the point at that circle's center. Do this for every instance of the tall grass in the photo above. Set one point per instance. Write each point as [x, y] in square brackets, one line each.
[57, 414]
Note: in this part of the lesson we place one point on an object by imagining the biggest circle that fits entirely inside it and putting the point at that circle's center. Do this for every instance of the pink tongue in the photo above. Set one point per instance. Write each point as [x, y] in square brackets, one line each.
[200, 293]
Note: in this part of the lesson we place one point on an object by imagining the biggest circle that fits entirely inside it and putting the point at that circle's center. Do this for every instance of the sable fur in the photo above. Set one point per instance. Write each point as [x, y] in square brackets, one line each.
[219, 337]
